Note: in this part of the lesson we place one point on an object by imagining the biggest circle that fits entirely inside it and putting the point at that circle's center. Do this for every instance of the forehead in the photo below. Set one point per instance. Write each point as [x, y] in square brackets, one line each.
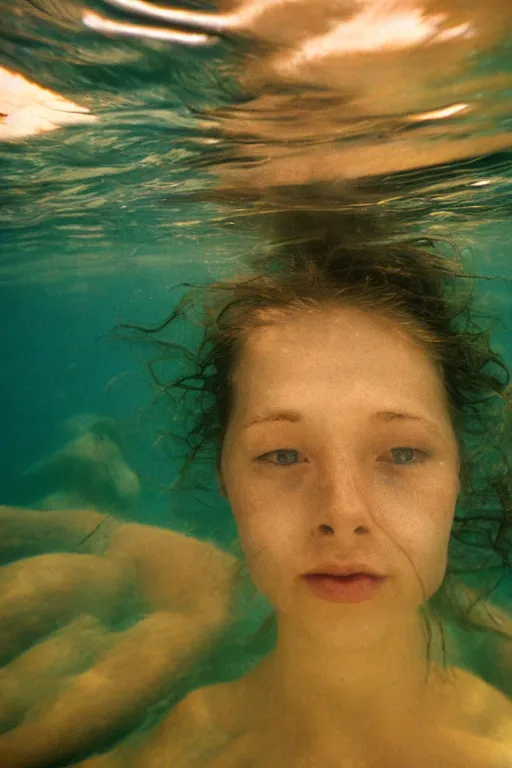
[333, 355]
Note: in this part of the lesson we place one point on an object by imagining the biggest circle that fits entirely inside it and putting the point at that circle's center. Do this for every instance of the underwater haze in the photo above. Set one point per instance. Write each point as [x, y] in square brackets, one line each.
[140, 153]
[130, 165]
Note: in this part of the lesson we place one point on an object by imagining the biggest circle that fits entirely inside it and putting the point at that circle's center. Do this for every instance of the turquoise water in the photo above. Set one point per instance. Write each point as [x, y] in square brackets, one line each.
[100, 222]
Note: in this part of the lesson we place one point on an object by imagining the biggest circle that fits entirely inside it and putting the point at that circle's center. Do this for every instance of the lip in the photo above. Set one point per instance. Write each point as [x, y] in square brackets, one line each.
[351, 569]
[353, 589]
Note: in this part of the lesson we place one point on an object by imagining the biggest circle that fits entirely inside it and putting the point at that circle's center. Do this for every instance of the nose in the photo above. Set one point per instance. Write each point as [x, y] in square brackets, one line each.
[342, 504]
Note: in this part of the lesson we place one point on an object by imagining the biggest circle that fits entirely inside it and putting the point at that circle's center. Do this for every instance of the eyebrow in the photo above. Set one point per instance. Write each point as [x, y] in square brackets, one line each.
[381, 416]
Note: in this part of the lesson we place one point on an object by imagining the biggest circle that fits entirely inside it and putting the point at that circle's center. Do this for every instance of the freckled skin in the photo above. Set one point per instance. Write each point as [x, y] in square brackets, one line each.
[340, 368]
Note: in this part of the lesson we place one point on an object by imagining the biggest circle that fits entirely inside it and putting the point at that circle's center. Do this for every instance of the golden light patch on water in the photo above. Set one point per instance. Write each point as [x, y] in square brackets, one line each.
[27, 109]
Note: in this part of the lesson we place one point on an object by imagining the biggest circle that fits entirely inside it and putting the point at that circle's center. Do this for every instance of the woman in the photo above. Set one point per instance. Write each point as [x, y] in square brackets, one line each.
[340, 393]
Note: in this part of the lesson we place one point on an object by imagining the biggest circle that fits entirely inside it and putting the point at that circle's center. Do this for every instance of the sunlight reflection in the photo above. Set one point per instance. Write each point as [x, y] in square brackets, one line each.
[27, 109]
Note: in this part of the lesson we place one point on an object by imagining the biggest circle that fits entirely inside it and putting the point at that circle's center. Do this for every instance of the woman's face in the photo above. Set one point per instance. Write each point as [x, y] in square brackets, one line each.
[321, 462]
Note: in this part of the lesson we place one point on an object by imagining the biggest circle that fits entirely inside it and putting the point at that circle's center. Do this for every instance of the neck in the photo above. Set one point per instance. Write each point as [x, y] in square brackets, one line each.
[323, 686]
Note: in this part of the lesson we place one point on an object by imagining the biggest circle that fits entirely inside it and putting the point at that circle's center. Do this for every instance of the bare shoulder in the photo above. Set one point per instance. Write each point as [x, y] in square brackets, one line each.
[183, 738]
[193, 714]
[483, 709]
[215, 707]
[188, 735]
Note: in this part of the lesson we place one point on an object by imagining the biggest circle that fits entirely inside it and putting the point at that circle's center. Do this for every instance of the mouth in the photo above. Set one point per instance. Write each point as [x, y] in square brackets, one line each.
[357, 587]
[345, 572]
[349, 579]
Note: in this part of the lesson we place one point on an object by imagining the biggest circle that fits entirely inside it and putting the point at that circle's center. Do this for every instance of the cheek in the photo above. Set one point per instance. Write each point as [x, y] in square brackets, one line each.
[270, 540]
[432, 544]
[422, 532]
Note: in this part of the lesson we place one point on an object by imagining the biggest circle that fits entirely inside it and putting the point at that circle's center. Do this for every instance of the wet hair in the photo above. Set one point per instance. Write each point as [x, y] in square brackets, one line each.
[321, 259]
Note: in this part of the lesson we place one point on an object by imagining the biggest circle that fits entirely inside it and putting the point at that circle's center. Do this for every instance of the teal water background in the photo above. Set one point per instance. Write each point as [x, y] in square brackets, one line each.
[98, 226]
[100, 222]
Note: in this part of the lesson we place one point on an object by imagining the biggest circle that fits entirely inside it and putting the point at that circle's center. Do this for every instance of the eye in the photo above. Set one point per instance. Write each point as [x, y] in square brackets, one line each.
[407, 455]
[285, 456]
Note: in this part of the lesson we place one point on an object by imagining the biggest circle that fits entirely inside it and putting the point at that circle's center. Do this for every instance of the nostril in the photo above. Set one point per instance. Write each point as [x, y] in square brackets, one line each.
[361, 529]
[326, 529]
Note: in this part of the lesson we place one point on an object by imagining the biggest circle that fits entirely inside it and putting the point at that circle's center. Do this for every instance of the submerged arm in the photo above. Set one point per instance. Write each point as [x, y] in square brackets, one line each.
[93, 636]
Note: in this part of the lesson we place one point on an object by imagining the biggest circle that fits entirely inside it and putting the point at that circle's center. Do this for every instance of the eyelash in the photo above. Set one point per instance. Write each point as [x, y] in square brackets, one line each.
[424, 454]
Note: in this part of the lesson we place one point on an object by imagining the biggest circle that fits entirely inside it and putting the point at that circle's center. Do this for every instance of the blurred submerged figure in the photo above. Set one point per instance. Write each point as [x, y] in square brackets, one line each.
[88, 471]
